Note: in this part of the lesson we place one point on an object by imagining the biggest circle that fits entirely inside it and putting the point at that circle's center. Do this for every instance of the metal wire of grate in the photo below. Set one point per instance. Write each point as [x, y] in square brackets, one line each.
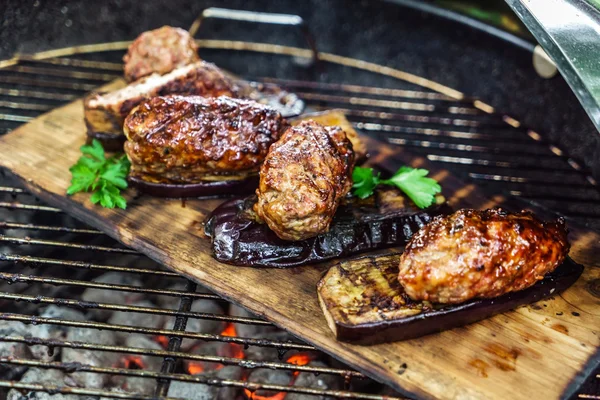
[49, 259]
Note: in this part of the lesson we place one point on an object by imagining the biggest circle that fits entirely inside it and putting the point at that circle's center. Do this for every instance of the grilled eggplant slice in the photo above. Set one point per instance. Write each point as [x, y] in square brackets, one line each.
[200, 189]
[385, 220]
[364, 302]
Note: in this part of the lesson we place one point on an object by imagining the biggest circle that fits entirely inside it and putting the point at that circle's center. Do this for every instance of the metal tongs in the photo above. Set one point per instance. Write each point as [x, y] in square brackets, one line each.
[569, 31]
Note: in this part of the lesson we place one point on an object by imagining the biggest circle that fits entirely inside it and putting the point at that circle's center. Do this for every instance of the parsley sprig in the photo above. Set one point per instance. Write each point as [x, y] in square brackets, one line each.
[412, 181]
[105, 177]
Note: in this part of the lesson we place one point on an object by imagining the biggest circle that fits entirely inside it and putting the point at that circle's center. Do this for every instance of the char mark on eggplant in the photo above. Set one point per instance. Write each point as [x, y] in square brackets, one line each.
[480, 254]
[381, 221]
[188, 139]
[303, 179]
[159, 51]
[363, 301]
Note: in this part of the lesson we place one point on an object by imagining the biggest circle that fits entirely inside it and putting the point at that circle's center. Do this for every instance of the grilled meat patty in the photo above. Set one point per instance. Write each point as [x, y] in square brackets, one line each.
[187, 139]
[480, 254]
[303, 179]
[159, 51]
[105, 113]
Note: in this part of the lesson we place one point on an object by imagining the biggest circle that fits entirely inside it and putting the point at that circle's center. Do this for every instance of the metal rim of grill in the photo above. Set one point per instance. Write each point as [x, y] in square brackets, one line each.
[442, 124]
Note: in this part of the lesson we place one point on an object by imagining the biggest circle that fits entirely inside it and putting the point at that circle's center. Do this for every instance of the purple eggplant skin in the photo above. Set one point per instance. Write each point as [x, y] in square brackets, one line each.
[200, 189]
[452, 316]
[238, 239]
[110, 142]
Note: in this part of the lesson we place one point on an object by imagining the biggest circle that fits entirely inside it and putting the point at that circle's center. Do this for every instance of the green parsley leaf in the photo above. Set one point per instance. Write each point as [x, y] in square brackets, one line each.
[364, 182]
[105, 177]
[412, 181]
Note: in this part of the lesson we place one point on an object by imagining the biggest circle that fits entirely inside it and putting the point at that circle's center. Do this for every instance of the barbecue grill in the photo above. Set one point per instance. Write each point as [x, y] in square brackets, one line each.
[59, 275]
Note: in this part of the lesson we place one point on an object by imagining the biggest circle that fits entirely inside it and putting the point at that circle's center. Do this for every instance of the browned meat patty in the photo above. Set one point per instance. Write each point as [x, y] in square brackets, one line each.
[480, 254]
[304, 177]
[105, 112]
[159, 51]
[187, 139]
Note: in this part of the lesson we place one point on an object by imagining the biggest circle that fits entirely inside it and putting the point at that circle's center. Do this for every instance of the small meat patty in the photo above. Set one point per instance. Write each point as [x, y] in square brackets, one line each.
[480, 254]
[303, 179]
[161, 51]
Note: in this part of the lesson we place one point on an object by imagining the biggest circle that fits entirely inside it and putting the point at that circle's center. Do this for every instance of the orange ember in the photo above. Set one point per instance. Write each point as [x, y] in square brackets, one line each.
[195, 368]
[229, 330]
[254, 396]
[296, 359]
[133, 362]
[162, 340]
[237, 351]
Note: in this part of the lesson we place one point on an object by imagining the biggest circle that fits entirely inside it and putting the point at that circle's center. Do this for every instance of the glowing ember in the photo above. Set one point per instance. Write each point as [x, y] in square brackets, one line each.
[254, 396]
[133, 362]
[237, 351]
[162, 340]
[296, 359]
[229, 330]
[195, 368]
[231, 350]
[299, 359]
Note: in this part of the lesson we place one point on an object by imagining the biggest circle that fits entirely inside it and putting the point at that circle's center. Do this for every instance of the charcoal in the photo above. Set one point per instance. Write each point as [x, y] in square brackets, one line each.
[200, 325]
[321, 381]
[271, 376]
[90, 357]
[41, 376]
[259, 353]
[132, 383]
[13, 349]
[171, 302]
[218, 349]
[112, 296]
[152, 321]
[249, 331]
[50, 331]
[232, 373]
[196, 391]
[192, 391]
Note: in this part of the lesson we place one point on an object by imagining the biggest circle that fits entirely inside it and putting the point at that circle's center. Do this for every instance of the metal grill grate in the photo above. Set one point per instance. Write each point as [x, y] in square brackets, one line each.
[47, 258]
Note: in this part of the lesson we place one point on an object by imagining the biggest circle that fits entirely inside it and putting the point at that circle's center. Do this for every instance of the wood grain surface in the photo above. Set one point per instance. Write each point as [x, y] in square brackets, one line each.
[540, 351]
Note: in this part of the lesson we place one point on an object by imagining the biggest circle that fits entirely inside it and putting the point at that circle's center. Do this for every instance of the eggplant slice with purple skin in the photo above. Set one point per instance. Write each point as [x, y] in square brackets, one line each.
[385, 220]
[200, 189]
[364, 302]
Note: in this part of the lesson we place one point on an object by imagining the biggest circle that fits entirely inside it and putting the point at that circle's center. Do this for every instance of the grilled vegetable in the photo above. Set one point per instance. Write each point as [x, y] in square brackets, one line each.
[364, 302]
[386, 220]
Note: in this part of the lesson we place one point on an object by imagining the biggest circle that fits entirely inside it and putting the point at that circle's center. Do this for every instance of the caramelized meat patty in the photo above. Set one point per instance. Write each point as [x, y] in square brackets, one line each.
[480, 254]
[159, 51]
[105, 112]
[179, 139]
[303, 179]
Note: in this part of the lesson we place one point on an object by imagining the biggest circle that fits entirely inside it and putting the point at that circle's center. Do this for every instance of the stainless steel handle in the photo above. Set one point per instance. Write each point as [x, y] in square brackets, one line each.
[258, 17]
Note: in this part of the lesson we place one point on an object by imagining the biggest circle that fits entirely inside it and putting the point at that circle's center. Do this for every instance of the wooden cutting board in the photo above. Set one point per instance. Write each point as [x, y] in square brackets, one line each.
[540, 351]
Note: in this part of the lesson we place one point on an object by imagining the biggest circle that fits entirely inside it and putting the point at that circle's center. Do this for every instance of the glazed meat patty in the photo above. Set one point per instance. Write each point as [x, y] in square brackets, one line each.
[303, 179]
[480, 254]
[159, 51]
[187, 139]
[105, 112]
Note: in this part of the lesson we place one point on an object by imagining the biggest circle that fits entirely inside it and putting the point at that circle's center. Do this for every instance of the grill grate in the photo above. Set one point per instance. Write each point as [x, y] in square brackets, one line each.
[41, 248]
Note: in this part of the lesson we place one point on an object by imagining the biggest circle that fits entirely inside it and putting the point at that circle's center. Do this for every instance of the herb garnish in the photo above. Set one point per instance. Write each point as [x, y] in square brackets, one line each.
[105, 177]
[412, 181]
